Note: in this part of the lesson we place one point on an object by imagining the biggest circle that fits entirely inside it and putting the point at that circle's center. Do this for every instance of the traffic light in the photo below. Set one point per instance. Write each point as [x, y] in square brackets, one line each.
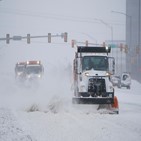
[126, 49]
[28, 38]
[121, 46]
[7, 38]
[72, 43]
[65, 37]
[49, 37]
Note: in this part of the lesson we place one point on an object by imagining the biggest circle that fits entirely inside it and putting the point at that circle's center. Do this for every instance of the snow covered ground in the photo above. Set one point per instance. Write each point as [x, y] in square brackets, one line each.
[46, 113]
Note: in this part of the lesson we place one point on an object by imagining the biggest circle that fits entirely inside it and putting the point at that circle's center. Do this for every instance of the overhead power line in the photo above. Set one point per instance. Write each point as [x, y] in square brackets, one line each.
[48, 16]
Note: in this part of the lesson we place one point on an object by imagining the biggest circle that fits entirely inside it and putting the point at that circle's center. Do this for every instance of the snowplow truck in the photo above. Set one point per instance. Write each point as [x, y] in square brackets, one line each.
[33, 70]
[19, 70]
[92, 68]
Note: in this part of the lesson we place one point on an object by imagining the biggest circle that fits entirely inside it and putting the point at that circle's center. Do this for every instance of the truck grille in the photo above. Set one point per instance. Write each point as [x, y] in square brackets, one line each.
[96, 86]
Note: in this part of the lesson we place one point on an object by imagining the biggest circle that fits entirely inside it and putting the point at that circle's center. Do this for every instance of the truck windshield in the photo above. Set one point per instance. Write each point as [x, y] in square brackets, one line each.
[33, 69]
[20, 68]
[95, 62]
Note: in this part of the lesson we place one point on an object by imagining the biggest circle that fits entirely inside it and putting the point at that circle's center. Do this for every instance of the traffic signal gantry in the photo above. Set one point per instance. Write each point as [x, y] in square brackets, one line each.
[29, 37]
[64, 35]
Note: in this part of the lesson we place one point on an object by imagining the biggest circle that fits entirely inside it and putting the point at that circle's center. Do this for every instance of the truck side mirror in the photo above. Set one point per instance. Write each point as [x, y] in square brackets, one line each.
[111, 61]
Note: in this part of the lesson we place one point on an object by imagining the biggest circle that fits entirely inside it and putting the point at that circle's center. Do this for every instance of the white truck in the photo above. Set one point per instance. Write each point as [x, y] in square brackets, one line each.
[28, 70]
[19, 70]
[92, 68]
[33, 70]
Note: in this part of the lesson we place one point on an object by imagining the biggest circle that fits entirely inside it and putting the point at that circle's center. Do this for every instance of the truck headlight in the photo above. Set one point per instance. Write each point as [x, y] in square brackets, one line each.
[18, 73]
[87, 74]
[107, 74]
[107, 48]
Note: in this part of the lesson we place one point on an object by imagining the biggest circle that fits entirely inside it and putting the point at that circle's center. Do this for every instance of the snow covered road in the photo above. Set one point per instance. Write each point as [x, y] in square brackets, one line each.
[81, 125]
[45, 113]
[10, 129]
[68, 122]
[57, 119]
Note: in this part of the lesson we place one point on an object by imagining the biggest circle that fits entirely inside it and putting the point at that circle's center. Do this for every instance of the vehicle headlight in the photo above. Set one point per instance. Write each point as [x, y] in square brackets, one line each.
[107, 74]
[19, 73]
[107, 48]
[87, 74]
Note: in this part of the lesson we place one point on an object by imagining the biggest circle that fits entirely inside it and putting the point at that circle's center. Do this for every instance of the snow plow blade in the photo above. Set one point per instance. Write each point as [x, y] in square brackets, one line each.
[110, 108]
[103, 100]
[115, 105]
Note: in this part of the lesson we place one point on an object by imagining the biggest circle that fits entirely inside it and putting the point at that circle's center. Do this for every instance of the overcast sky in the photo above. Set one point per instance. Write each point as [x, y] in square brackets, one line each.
[80, 18]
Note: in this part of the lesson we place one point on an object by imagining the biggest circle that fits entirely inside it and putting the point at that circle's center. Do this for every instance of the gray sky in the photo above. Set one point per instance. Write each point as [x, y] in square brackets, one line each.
[80, 18]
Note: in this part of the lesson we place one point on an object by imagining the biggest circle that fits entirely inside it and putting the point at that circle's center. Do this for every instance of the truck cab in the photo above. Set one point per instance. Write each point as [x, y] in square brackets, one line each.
[33, 70]
[19, 70]
[92, 70]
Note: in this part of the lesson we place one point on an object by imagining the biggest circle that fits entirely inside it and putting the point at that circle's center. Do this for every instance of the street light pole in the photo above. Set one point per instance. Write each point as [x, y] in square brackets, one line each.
[130, 41]
[109, 26]
[130, 17]
[111, 29]
[91, 37]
